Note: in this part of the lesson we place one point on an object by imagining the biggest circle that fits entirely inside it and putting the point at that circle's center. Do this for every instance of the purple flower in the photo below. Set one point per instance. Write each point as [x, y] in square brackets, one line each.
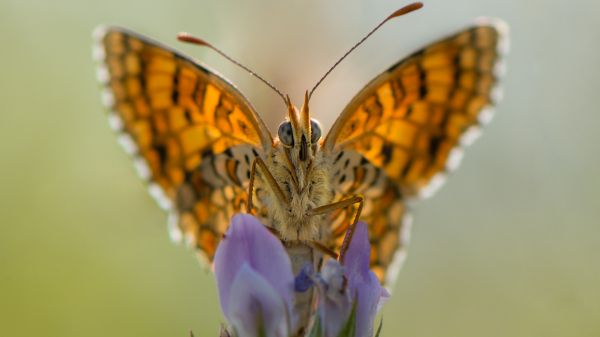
[335, 302]
[352, 283]
[255, 280]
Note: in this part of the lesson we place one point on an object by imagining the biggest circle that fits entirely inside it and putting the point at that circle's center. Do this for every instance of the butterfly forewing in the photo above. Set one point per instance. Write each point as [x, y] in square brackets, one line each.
[192, 134]
[410, 123]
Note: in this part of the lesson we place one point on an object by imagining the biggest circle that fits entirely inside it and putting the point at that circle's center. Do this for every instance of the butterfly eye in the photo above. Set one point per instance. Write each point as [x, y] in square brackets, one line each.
[285, 134]
[315, 130]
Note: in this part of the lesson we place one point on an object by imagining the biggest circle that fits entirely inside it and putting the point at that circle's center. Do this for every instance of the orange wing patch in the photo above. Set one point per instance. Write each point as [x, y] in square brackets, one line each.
[411, 120]
[173, 115]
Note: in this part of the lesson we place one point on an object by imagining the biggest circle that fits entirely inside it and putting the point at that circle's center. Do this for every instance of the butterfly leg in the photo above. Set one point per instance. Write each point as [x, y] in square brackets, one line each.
[323, 249]
[357, 199]
[269, 179]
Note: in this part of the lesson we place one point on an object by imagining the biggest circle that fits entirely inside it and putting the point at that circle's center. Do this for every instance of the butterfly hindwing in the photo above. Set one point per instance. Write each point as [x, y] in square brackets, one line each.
[383, 211]
[177, 118]
[411, 121]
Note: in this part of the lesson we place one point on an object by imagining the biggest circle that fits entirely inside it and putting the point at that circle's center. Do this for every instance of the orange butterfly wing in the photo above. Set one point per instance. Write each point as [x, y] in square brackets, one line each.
[383, 210]
[181, 122]
[410, 123]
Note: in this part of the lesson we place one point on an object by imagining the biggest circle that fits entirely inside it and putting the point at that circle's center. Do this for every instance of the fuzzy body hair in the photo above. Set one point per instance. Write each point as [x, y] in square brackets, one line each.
[312, 190]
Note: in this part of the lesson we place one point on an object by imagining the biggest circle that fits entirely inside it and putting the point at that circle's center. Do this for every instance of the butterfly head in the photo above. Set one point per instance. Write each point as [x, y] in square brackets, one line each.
[299, 132]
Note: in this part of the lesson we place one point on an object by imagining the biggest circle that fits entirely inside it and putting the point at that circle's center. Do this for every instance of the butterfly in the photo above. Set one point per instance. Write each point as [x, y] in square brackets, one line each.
[206, 153]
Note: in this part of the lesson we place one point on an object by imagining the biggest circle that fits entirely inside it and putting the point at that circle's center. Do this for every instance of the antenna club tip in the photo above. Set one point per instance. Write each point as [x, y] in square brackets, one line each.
[185, 37]
[406, 9]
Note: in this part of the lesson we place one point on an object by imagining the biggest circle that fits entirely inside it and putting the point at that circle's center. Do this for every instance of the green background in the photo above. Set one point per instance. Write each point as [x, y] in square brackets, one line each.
[509, 247]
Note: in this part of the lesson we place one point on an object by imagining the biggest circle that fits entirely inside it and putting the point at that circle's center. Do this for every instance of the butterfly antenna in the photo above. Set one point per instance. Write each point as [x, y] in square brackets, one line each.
[404, 10]
[185, 37]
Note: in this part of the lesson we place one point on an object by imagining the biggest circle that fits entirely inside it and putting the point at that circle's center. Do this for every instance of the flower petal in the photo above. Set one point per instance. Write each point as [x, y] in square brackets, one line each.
[247, 241]
[255, 307]
[334, 300]
[362, 282]
[356, 260]
[370, 296]
[304, 279]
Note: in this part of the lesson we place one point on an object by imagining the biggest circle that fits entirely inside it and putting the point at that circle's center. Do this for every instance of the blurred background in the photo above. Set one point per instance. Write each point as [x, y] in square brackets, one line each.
[509, 247]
